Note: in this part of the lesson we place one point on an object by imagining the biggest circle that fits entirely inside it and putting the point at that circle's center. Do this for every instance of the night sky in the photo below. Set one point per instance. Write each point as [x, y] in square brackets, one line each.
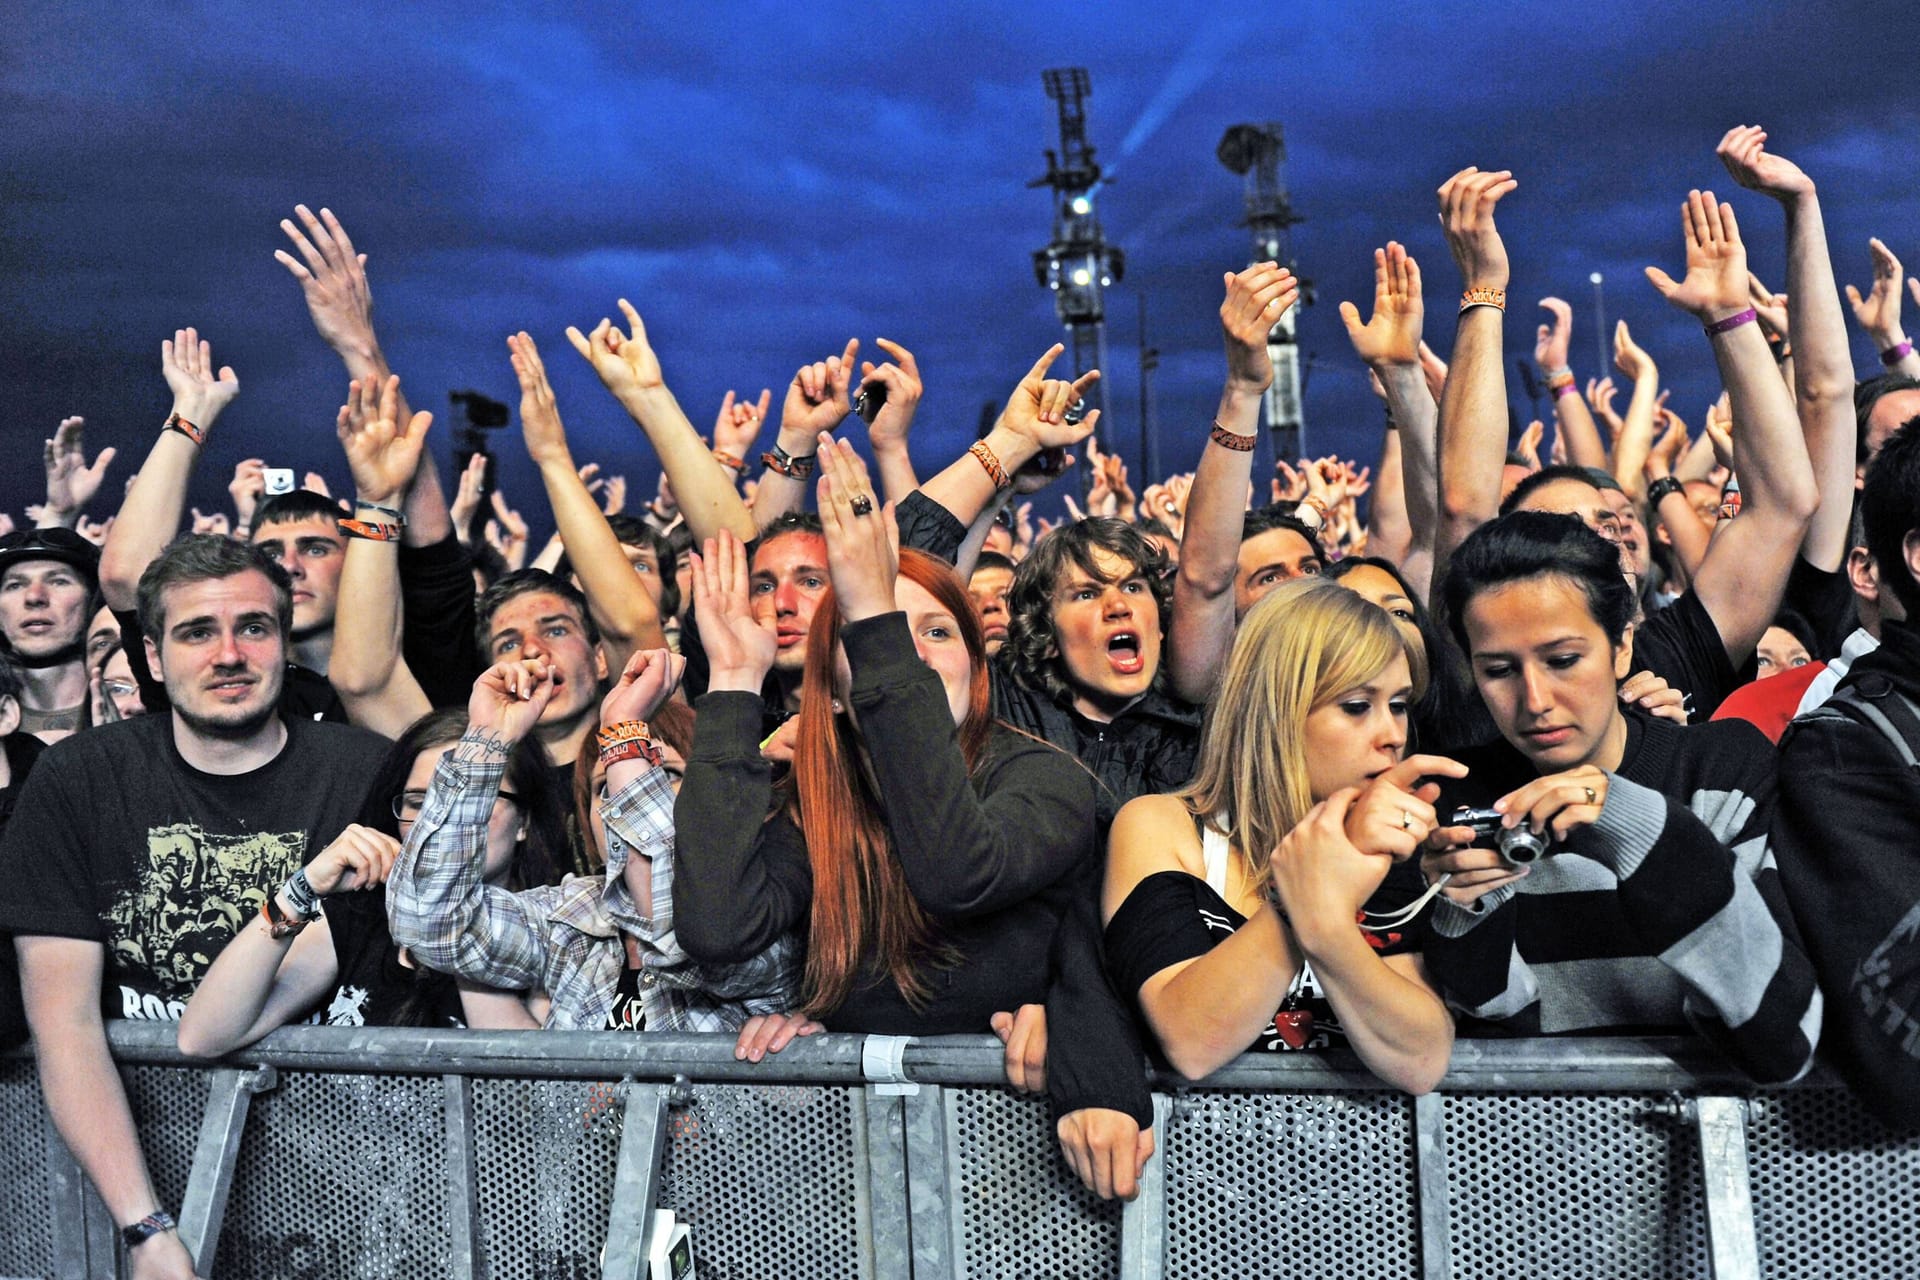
[764, 181]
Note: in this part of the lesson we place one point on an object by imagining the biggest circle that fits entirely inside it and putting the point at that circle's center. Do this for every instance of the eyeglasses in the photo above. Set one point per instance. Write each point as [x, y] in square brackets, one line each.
[120, 688]
[407, 805]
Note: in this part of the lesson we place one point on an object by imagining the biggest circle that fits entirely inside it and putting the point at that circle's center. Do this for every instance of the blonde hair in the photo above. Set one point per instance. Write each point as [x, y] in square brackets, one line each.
[1304, 644]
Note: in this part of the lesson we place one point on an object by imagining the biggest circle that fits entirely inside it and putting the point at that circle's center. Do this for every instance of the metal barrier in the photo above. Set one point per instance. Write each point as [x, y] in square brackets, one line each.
[534, 1155]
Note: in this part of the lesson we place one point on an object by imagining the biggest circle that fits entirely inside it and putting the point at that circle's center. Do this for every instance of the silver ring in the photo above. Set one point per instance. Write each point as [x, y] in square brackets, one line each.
[863, 506]
[1406, 819]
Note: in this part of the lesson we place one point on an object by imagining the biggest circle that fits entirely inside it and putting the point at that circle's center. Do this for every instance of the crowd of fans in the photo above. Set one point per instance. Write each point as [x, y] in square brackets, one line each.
[1179, 778]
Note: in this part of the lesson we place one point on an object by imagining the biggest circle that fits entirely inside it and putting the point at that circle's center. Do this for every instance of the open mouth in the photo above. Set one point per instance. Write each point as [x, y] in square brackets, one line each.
[1123, 652]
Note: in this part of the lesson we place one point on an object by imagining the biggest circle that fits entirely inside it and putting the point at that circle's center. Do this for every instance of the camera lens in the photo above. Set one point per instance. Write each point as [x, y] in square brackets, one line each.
[1520, 846]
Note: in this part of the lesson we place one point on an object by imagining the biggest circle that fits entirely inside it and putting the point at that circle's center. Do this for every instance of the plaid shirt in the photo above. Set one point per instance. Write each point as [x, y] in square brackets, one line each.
[566, 939]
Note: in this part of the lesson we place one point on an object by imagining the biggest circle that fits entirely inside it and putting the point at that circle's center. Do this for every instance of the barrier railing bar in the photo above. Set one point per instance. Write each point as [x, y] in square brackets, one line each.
[1143, 1221]
[891, 1230]
[636, 1181]
[82, 1249]
[1548, 1065]
[934, 1205]
[463, 1177]
[1430, 1185]
[204, 1206]
[1722, 1126]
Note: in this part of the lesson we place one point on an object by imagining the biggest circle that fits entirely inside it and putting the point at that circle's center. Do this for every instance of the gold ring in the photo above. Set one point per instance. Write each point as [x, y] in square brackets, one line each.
[1593, 797]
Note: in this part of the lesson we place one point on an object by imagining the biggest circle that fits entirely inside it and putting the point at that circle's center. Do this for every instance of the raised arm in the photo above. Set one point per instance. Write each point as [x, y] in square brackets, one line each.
[150, 514]
[1636, 435]
[1744, 575]
[1822, 367]
[629, 368]
[366, 669]
[898, 380]
[71, 483]
[627, 614]
[1390, 344]
[1473, 405]
[817, 400]
[333, 278]
[1201, 631]
[1573, 423]
[1879, 312]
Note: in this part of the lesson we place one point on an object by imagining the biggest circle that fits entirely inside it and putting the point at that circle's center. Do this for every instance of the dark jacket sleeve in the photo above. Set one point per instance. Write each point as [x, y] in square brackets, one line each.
[437, 600]
[964, 853]
[927, 526]
[740, 880]
[1857, 898]
[1096, 1055]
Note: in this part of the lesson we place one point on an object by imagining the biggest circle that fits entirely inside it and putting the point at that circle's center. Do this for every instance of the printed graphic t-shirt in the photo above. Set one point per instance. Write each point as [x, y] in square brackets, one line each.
[118, 840]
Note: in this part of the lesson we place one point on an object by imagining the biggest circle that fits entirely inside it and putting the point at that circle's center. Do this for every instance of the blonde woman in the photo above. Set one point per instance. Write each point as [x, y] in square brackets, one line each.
[1234, 908]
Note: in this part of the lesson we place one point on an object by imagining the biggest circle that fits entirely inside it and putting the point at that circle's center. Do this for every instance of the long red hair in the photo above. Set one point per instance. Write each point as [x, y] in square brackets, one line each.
[860, 895]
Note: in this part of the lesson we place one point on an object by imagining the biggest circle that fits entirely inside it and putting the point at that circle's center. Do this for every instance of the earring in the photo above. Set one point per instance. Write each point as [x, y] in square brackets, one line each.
[837, 708]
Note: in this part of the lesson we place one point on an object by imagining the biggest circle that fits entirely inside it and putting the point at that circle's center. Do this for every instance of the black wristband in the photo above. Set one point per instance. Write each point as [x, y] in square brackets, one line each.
[155, 1223]
[1658, 490]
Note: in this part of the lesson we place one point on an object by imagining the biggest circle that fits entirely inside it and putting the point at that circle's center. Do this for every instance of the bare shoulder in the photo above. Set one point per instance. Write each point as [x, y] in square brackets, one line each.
[1150, 834]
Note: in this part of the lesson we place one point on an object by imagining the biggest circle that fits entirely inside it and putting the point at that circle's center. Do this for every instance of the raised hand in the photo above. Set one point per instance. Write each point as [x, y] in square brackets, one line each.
[334, 279]
[817, 398]
[624, 361]
[1256, 299]
[649, 679]
[1629, 357]
[1600, 395]
[71, 483]
[1435, 370]
[1744, 151]
[314, 482]
[508, 700]
[199, 394]
[1551, 340]
[863, 540]
[1769, 307]
[1037, 409]
[1529, 446]
[358, 858]
[1715, 285]
[506, 533]
[248, 483]
[1467, 201]
[1114, 472]
[94, 531]
[901, 378]
[215, 523]
[739, 650]
[1392, 336]
[1879, 312]
[737, 426]
[539, 415]
[466, 498]
[1289, 484]
[613, 497]
[382, 455]
[1668, 447]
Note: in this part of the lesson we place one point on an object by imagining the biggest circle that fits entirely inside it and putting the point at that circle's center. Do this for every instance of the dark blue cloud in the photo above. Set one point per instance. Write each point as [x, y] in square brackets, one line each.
[765, 180]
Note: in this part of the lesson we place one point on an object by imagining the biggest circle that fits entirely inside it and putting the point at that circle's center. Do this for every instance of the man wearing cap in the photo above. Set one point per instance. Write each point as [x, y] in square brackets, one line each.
[48, 582]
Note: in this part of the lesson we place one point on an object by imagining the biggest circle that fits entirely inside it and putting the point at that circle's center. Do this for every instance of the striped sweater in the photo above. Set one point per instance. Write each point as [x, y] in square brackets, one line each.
[1666, 912]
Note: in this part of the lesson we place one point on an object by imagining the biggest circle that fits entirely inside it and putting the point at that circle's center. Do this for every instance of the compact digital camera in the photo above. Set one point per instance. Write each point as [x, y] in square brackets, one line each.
[1517, 845]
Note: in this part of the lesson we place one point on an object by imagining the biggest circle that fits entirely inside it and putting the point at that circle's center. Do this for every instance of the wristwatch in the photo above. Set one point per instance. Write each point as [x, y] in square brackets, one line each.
[147, 1228]
[280, 925]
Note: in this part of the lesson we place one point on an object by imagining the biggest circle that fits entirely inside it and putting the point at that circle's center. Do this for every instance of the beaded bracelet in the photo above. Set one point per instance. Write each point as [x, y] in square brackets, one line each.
[1495, 298]
[1231, 439]
[995, 472]
[368, 530]
[1895, 354]
[175, 422]
[1733, 321]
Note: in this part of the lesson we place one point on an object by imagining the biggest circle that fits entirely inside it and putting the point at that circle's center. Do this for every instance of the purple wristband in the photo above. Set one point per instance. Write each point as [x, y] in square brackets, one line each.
[1894, 355]
[1733, 321]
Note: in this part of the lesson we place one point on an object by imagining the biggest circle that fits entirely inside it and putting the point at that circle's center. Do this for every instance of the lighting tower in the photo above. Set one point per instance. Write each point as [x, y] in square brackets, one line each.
[1078, 264]
[1257, 152]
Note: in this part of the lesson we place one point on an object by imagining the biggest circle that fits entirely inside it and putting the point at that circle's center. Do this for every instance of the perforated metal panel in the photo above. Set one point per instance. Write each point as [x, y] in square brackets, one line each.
[771, 1177]
[1835, 1193]
[26, 1248]
[1572, 1186]
[1021, 1211]
[1262, 1184]
[167, 1105]
[340, 1176]
[544, 1152]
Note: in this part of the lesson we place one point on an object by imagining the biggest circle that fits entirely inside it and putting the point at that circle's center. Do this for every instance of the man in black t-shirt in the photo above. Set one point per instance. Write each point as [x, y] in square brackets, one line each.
[137, 850]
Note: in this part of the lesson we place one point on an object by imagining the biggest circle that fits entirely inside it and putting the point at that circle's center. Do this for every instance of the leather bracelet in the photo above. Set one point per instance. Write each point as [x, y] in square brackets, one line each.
[368, 530]
[984, 456]
[1495, 298]
[1895, 354]
[728, 461]
[156, 1223]
[175, 422]
[1659, 490]
[1733, 321]
[1231, 439]
[393, 517]
[780, 462]
[278, 925]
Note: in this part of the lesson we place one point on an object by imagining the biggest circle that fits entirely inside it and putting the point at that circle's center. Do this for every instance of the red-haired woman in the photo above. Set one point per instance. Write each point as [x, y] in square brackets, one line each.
[926, 852]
